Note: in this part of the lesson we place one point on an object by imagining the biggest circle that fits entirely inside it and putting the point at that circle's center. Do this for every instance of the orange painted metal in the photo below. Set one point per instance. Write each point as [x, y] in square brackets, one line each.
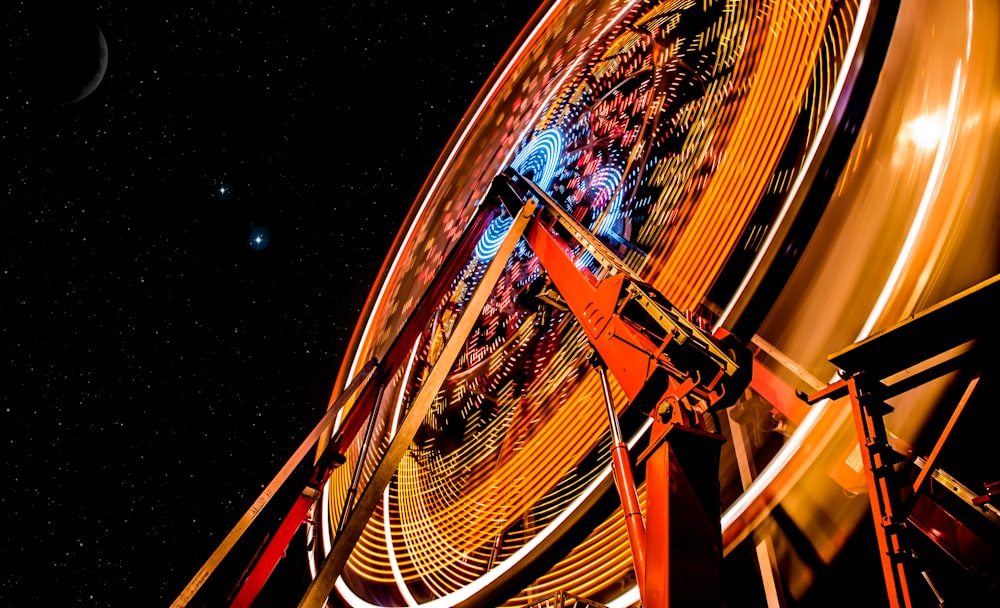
[625, 482]
[778, 393]
[650, 362]
[670, 370]
[626, 352]
[883, 488]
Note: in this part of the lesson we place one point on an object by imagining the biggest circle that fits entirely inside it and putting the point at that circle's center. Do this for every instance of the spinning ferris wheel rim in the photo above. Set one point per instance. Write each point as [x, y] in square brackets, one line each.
[748, 511]
[832, 121]
[469, 124]
[740, 513]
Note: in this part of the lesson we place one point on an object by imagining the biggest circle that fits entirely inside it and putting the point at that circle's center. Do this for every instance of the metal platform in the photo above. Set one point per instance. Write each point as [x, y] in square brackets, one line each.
[954, 335]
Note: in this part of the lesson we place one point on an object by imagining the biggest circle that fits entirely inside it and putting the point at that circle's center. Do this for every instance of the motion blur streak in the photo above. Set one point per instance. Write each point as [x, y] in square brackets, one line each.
[454, 146]
[685, 132]
[909, 225]
[393, 563]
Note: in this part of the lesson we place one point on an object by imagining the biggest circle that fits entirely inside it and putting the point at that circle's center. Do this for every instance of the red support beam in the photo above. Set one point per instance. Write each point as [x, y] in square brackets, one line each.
[670, 369]
[275, 550]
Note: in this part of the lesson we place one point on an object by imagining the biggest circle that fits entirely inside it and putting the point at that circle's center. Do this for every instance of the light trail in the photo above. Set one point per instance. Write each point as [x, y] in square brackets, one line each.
[450, 514]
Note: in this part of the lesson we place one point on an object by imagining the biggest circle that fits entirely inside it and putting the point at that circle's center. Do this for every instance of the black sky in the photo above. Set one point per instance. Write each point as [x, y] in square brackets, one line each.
[158, 369]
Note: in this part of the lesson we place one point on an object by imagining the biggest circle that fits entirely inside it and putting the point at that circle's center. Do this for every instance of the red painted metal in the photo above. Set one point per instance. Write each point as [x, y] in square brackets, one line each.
[360, 412]
[625, 482]
[621, 466]
[778, 393]
[642, 357]
[669, 369]
[593, 303]
[273, 553]
[277, 545]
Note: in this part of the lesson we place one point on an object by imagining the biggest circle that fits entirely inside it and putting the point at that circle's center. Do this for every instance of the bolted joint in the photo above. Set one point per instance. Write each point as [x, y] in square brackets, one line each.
[666, 408]
[595, 359]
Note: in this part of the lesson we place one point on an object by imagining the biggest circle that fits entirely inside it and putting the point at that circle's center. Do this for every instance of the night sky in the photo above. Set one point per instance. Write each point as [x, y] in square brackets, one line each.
[161, 364]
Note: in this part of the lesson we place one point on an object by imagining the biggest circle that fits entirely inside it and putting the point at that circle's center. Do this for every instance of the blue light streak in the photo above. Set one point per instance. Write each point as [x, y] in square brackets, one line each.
[540, 159]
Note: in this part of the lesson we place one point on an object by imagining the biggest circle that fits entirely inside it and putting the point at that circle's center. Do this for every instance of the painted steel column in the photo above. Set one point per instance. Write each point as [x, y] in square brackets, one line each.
[275, 550]
[683, 509]
[883, 488]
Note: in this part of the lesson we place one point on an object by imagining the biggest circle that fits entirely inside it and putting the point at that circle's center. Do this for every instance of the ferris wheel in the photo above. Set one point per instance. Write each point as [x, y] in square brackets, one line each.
[765, 184]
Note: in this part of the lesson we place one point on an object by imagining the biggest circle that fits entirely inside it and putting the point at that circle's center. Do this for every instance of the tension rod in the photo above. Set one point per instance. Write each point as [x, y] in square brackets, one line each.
[621, 466]
[362, 456]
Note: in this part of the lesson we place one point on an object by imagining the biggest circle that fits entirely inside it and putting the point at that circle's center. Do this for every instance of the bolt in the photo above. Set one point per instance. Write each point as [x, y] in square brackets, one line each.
[665, 410]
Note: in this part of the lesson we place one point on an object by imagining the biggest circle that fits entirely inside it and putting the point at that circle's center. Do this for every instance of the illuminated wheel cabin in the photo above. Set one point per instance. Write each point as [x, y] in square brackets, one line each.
[707, 199]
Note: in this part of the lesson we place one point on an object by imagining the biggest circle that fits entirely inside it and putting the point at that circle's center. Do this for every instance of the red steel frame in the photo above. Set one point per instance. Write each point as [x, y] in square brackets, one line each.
[331, 451]
[920, 348]
[667, 367]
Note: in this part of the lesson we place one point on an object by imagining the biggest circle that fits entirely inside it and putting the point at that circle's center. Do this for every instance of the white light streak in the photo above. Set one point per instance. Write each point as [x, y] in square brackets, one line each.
[834, 110]
[440, 174]
[926, 202]
[397, 575]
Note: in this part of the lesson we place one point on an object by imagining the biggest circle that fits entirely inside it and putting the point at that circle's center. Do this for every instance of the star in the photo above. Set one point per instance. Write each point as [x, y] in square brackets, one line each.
[259, 238]
[222, 190]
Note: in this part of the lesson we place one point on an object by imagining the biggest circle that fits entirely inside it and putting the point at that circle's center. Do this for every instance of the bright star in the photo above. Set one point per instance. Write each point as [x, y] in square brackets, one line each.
[259, 237]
